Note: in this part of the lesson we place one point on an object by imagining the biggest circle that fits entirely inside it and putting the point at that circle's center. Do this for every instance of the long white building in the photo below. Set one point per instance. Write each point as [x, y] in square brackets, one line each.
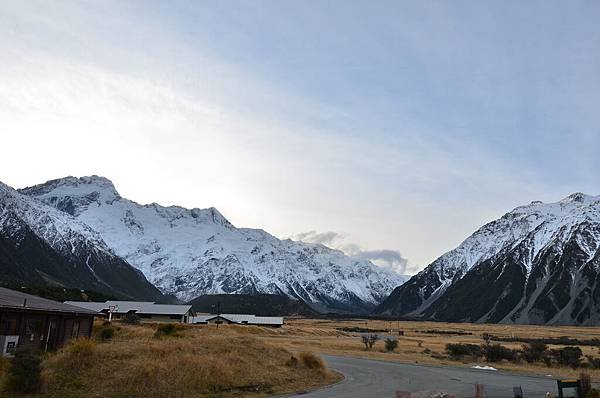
[146, 310]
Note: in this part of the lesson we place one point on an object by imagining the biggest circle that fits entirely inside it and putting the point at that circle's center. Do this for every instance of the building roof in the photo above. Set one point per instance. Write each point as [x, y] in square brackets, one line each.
[139, 307]
[241, 318]
[22, 301]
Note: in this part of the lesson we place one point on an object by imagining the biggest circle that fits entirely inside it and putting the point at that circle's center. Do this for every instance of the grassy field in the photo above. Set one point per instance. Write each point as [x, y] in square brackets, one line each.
[423, 342]
[194, 362]
[250, 361]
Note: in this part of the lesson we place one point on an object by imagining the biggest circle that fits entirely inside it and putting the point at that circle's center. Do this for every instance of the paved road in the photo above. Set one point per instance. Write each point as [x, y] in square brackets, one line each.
[375, 379]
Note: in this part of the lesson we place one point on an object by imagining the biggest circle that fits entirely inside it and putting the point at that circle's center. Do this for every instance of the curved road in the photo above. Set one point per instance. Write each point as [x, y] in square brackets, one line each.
[374, 379]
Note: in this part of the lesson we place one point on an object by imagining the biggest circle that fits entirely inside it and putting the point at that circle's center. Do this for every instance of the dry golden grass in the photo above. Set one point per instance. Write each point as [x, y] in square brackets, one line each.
[198, 362]
[416, 346]
[237, 361]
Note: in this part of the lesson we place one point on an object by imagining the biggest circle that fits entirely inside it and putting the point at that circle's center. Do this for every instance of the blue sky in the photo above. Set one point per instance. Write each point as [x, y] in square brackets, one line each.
[392, 125]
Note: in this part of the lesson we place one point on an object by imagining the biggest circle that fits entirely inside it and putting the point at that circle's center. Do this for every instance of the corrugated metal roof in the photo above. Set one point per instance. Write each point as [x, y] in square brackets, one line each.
[140, 307]
[15, 299]
[241, 318]
[96, 307]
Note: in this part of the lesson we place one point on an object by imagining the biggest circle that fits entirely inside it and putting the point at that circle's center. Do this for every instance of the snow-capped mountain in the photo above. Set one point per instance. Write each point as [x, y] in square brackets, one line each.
[41, 245]
[539, 263]
[193, 252]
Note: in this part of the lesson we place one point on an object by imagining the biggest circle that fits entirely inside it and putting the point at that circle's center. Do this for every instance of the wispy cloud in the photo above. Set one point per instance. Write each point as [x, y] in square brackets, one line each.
[388, 258]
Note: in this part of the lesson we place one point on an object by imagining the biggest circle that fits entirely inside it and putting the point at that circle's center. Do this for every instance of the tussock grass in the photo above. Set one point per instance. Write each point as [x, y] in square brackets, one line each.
[311, 361]
[201, 362]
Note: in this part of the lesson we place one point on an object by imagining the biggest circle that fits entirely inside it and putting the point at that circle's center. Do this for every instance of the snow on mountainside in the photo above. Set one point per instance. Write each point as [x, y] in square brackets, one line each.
[193, 252]
[39, 244]
[537, 264]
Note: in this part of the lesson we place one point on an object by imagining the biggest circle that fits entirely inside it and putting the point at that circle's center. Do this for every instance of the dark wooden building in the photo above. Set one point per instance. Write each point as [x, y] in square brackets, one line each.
[34, 323]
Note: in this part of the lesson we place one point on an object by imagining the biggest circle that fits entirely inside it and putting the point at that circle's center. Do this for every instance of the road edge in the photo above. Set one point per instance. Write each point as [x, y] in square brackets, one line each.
[315, 389]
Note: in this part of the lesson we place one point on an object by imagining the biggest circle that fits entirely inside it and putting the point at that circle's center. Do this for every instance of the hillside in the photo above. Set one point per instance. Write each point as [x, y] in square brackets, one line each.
[257, 304]
[42, 246]
[537, 264]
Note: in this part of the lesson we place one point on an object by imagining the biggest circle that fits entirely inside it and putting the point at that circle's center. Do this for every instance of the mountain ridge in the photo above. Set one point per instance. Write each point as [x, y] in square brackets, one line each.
[192, 252]
[512, 270]
[41, 245]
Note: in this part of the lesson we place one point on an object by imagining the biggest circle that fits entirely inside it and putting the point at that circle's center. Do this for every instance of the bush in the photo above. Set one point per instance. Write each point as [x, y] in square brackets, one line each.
[593, 362]
[391, 344]
[166, 330]
[534, 351]
[459, 350]
[107, 333]
[132, 319]
[564, 340]
[497, 352]
[311, 361]
[594, 393]
[568, 356]
[369, 340]
[24, 373]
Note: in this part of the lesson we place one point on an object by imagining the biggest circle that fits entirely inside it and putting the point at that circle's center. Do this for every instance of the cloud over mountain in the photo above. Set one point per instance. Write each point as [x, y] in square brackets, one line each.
[387, 258]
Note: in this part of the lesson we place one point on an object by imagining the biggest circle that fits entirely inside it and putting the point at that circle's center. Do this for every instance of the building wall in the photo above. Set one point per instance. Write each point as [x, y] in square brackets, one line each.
[160, 318]
[33, 327]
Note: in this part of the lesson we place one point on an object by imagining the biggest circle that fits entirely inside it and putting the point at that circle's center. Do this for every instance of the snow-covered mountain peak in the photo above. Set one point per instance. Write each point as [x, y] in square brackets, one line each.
[580, 198]
[535, 224]
[539, 263]
[71, 193]
[88, 183]
[190, 252]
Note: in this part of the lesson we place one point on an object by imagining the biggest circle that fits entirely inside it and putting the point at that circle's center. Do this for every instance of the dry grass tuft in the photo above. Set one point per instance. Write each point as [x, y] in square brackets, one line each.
[312, 361]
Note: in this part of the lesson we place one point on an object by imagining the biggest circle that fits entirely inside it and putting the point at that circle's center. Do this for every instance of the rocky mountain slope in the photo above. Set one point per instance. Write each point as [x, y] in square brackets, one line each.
[40, 245]
[191, 252]
[539, 264]
[257, 304]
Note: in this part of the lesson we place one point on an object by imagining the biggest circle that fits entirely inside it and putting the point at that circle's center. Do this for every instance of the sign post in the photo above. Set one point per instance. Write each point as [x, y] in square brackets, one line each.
[111, 309]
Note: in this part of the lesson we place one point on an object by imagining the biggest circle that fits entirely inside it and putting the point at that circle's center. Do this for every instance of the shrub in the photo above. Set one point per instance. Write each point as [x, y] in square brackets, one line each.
[369, 340]
[24, 373]
[497, 352]
[593, 362]
[564, 340]
[534, 351]
[391, 344]
[311, 361]
[568, 356]
[107, 333]
[358, 329]
[459, 350]
[593, 393]
[166, 330]
[132, 319]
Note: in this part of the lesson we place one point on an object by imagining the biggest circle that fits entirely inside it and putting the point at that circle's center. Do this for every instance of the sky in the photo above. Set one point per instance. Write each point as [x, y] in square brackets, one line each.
[389, 129]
